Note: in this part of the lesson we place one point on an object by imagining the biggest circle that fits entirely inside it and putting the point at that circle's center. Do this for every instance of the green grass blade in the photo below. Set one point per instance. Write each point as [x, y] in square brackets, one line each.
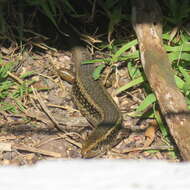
[123, 49]
[160, 123]
[179, 55]
[132, 83]
[97, 72]
[179, 82]
[133, 70]
[151, 98]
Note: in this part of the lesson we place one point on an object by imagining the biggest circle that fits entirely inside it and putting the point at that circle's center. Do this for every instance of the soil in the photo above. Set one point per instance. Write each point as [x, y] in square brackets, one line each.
[32, 135]
[42, 123]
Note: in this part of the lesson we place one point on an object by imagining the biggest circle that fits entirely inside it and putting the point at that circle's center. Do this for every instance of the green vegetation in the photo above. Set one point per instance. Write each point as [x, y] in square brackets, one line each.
[11, 88]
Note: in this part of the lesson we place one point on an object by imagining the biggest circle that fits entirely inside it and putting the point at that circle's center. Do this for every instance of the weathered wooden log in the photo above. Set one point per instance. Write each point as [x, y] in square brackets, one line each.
[146, 19]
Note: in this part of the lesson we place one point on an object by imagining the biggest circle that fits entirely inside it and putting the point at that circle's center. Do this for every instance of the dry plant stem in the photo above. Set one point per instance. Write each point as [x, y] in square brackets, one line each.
[37, 150]
[146, 19]
[56, 124]
[127, 150]
[15, 78]
[45, 109]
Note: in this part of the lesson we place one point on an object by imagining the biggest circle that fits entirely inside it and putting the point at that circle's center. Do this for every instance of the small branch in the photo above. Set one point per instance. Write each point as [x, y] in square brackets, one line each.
[146, 19]
[160, 148]
[37, 150]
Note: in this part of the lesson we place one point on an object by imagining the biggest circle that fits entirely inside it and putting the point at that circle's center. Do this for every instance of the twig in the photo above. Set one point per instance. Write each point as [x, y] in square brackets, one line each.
[15, 77]
[45, 109]
[146, 20]
[37, 150]
[169, 148]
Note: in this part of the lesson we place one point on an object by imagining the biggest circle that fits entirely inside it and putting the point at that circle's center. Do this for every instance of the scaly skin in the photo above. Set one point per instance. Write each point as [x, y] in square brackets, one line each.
[96, 105]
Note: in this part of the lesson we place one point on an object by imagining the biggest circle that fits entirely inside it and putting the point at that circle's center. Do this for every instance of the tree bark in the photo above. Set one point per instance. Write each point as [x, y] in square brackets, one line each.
[146, 19]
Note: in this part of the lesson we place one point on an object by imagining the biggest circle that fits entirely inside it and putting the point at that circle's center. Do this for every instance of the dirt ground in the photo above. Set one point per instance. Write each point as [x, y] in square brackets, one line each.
[32, 135]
